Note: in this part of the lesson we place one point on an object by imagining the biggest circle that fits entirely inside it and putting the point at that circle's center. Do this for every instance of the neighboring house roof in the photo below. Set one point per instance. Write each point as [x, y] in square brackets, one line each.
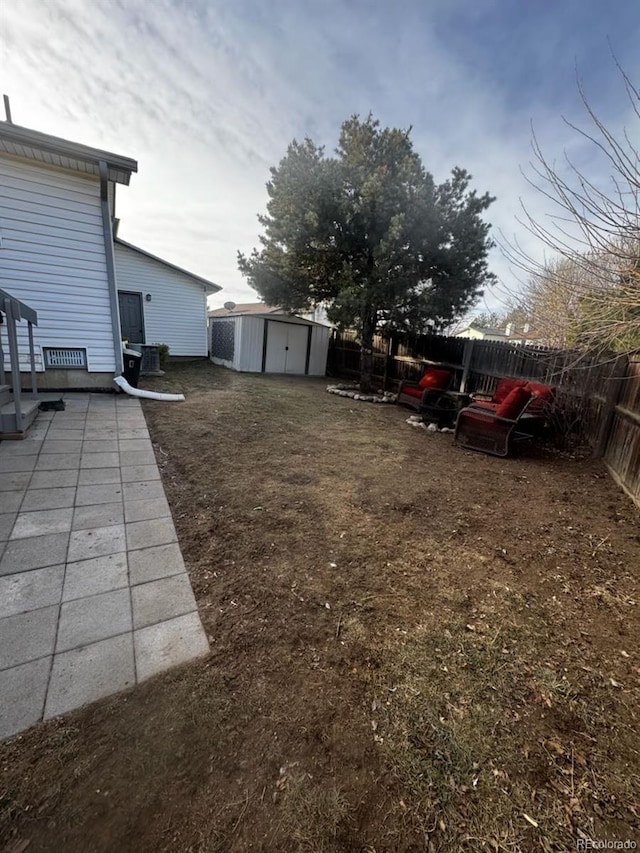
[54, 151]
[249, 308]
[211, 286]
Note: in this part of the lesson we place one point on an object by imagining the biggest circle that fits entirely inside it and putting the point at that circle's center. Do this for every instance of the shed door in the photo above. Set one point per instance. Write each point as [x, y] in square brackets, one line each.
[131, 317]
[296, 351]
[286, 348]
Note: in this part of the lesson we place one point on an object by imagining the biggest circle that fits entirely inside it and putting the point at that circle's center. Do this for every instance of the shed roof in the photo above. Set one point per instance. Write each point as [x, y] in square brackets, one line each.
[54, 151]
[211, 286]
[246, 308]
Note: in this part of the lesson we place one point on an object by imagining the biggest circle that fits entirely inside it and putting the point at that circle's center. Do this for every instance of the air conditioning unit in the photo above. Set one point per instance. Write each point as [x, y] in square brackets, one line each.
[150, 359]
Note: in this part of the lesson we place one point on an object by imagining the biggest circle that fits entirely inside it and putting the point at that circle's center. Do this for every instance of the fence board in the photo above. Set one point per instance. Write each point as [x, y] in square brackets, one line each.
[622, 454]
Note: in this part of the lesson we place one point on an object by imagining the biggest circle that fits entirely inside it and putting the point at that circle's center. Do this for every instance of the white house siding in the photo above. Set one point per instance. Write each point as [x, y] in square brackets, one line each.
[177, 312]
[53, 259]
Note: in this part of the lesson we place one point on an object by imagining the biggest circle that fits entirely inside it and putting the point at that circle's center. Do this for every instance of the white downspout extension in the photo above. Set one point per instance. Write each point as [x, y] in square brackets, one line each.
[123, 385]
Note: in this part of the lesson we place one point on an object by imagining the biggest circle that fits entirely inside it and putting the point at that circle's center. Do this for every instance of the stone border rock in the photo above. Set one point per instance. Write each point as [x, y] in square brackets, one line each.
[354, 393]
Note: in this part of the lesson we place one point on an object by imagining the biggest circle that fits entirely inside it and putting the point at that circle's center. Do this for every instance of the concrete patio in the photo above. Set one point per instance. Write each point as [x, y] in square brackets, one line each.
[94, 595]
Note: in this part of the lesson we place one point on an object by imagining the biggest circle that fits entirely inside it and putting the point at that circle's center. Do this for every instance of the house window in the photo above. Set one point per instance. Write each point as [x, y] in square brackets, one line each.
[69, 359]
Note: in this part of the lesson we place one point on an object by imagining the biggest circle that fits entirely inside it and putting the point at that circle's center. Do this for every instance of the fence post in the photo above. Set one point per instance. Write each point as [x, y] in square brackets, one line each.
[614, 386]
[466, 363]
[387, 361]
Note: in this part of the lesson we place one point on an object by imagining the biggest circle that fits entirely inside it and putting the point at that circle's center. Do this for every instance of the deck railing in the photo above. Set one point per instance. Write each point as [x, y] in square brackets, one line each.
[12, 312]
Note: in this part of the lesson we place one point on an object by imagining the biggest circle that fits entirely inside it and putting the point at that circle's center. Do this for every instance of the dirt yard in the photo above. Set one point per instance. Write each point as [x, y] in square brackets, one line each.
[413, 648]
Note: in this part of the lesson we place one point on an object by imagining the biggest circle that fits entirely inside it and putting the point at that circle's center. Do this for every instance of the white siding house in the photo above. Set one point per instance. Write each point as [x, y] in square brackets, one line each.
[268, 342]
[173, 301]
[53, 259]
[57, 257]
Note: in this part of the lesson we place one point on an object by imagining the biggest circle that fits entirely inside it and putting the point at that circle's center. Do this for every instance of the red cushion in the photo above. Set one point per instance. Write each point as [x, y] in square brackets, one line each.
[514, 403]
[505, 387]
[544, 396]
[545, 392]
[434, 378]
[413, 391]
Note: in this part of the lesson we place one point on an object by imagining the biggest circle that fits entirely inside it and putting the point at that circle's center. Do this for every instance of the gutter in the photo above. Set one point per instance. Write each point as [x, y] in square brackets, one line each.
[107, 232]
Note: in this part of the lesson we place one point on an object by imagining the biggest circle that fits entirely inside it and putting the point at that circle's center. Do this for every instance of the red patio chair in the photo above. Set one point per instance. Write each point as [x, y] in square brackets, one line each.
[417, 395]
[496, 432]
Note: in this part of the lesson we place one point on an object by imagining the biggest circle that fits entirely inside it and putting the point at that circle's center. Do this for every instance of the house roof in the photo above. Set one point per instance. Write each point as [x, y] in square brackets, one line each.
[250, 308]
[54, 151]
[211, 286]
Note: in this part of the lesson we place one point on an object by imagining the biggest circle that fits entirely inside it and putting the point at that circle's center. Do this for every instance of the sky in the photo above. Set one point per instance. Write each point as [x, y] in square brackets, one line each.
[207, 94]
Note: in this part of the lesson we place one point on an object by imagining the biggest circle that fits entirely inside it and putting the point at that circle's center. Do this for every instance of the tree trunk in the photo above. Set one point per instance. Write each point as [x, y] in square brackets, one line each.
[366, 352]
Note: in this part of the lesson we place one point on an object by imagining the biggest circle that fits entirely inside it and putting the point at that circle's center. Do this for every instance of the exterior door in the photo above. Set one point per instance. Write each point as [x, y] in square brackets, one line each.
[286, 348]
[131, 316]
[296, 352]
[276, 360]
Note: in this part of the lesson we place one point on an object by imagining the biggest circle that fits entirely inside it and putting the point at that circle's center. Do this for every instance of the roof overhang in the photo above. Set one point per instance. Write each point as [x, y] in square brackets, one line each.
[53, 151]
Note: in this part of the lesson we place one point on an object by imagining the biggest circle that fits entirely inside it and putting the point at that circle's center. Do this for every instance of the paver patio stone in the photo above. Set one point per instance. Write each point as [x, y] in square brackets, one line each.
[132, 432]
[61, 433]
[139, 444]
[42, 521]
[30, 590]
[27, 636]
[91, 577]
[22, 555]
[89, 673]
[97, 515]
[53, 479]
[162, 599]
[133, 473]
[145, 509]
[57, 461]
[10, 464]
[69, 445]
[103, 493]
[100, 460]
[156, 531]
[55, 498]
[20, 448]
[11, 501]
[23, 689]
[100, 445]
[98, 476]
[142, 490]
[14, 481]
[137, 457]
[168, 644]
[96, 617]
[95, 542]
[149, 564]
[7, 520]
[69, 417]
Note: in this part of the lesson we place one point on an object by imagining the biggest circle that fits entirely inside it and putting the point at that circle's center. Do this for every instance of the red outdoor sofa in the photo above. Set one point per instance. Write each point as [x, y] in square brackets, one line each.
[515, 413]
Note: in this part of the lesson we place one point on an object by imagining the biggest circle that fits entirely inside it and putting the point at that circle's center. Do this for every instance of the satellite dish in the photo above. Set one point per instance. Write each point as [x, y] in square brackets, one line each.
[229, 305]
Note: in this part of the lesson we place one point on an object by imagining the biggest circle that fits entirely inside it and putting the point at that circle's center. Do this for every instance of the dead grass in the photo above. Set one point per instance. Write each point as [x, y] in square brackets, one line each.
[413, 648]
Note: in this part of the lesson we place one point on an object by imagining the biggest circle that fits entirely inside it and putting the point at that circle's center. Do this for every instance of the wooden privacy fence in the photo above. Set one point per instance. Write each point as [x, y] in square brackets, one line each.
[622, 449]
[600, 396]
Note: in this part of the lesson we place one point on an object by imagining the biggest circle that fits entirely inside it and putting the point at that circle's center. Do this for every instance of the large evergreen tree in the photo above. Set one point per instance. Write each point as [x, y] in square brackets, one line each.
[369, 234]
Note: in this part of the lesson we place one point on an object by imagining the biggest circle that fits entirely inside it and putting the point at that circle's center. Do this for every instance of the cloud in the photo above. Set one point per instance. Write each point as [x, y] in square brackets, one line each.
[206, 96]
